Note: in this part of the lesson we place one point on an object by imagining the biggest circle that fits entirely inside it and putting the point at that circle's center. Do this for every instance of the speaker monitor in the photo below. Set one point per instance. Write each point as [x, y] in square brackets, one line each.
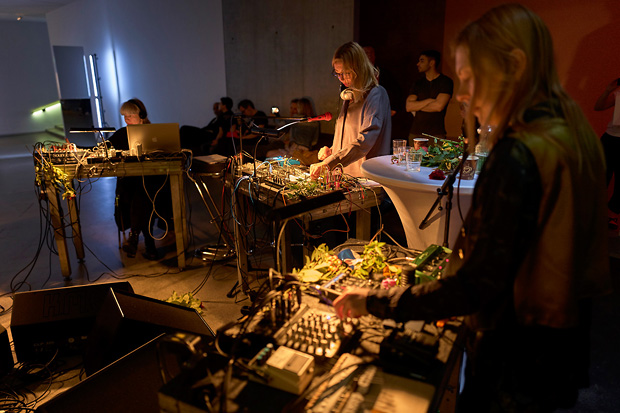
[126, 321]
[46, 321]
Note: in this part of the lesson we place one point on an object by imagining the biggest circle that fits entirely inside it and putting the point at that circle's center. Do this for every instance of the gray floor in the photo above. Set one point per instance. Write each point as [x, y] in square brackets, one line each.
[28, 264]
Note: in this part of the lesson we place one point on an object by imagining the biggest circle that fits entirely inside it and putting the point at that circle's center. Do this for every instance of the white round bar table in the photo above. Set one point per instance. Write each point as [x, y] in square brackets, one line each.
[413, 195]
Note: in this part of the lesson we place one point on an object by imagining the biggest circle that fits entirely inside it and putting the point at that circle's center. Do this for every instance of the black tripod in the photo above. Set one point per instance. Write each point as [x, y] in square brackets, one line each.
[447, 190]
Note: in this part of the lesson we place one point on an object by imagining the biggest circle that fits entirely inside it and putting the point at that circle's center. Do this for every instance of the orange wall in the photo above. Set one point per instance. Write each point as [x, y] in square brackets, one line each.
[586, 37]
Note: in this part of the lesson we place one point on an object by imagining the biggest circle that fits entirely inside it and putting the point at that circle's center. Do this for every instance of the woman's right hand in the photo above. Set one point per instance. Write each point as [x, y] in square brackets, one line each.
[351, 303]
[324, 152]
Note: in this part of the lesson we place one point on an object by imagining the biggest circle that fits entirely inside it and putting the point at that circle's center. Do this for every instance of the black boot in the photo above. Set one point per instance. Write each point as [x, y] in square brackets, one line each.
[151, 250]
[130, 246]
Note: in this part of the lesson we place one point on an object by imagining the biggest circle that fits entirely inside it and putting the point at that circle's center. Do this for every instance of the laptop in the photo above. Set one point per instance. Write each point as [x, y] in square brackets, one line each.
[154, 137]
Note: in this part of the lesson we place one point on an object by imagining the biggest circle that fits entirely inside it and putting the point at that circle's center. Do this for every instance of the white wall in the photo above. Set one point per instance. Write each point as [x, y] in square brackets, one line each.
[27, 78]
[169, 54]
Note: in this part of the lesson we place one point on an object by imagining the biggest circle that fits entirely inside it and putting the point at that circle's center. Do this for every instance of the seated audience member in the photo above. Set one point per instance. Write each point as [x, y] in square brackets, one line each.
[199, 139]
[293, 108]
[241, 131]
[222, 144]
[212, 126]
[300, 137]
[364, 124]
[532, 251]
[305, 135]
[138, 196]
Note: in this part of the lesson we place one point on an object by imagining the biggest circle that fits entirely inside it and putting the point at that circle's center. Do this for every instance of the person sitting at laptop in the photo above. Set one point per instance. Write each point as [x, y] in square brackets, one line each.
[135, 195]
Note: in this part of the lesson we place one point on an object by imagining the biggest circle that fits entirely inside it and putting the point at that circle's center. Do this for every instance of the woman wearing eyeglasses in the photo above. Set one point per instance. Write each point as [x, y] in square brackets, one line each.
[364, 125]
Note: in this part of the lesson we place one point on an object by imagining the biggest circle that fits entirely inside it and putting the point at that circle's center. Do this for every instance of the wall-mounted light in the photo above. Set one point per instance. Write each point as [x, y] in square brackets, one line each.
[41, 109]
[19, 18]
[94, 72]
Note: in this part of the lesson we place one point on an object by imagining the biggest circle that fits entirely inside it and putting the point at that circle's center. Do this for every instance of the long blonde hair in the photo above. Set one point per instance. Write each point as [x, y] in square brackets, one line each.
[354, 58]
[490, 42]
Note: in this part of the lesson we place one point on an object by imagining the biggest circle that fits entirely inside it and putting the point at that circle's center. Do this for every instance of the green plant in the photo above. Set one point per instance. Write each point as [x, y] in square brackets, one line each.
[302, 188]
[185, 300]
[321, 265]
[373, 260]
[443, 155]
[46, 172]
[324, 265]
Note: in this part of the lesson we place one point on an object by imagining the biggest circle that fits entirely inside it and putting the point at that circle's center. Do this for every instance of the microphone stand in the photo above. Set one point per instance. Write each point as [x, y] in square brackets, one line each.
[239, 124]
[446, 189]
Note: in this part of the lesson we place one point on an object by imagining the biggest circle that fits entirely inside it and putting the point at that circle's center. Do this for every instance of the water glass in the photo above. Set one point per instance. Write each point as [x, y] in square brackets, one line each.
[398, 148]
[397, 144]
[481, 153]
[481, 158]
[402, 162]
[414, 160]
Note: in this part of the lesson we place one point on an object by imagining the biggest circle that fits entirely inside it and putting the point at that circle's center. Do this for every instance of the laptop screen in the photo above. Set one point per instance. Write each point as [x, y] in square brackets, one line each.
[154, 137]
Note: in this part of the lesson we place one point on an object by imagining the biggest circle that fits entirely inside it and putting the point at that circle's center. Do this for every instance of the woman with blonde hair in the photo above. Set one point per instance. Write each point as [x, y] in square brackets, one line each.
[532, 251]
[364, 124]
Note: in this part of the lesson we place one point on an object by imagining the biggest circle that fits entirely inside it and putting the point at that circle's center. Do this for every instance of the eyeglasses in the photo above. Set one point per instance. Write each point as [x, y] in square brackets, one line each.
[344, 75]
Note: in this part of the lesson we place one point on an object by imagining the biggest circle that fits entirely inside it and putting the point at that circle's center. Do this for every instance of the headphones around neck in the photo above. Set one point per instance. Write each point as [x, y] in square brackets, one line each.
[142, 114]
[346, 94]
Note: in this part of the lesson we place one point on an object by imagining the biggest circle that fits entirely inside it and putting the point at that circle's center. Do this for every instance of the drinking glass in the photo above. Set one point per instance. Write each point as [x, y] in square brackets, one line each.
[414, 160]
[398, 147]
[403, 156]
[397, 144]
[481, 153]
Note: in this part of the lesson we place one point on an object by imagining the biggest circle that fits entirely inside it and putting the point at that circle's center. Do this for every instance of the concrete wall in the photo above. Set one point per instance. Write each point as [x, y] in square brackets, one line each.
[280, 50]
[170, 54]
[27, 78]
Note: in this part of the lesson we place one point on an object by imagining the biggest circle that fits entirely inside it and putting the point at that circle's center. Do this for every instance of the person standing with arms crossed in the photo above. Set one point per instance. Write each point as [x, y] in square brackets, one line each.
[428, 98]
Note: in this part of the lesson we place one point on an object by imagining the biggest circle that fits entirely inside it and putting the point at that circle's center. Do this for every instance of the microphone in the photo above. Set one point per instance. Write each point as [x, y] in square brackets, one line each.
[326, 116]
